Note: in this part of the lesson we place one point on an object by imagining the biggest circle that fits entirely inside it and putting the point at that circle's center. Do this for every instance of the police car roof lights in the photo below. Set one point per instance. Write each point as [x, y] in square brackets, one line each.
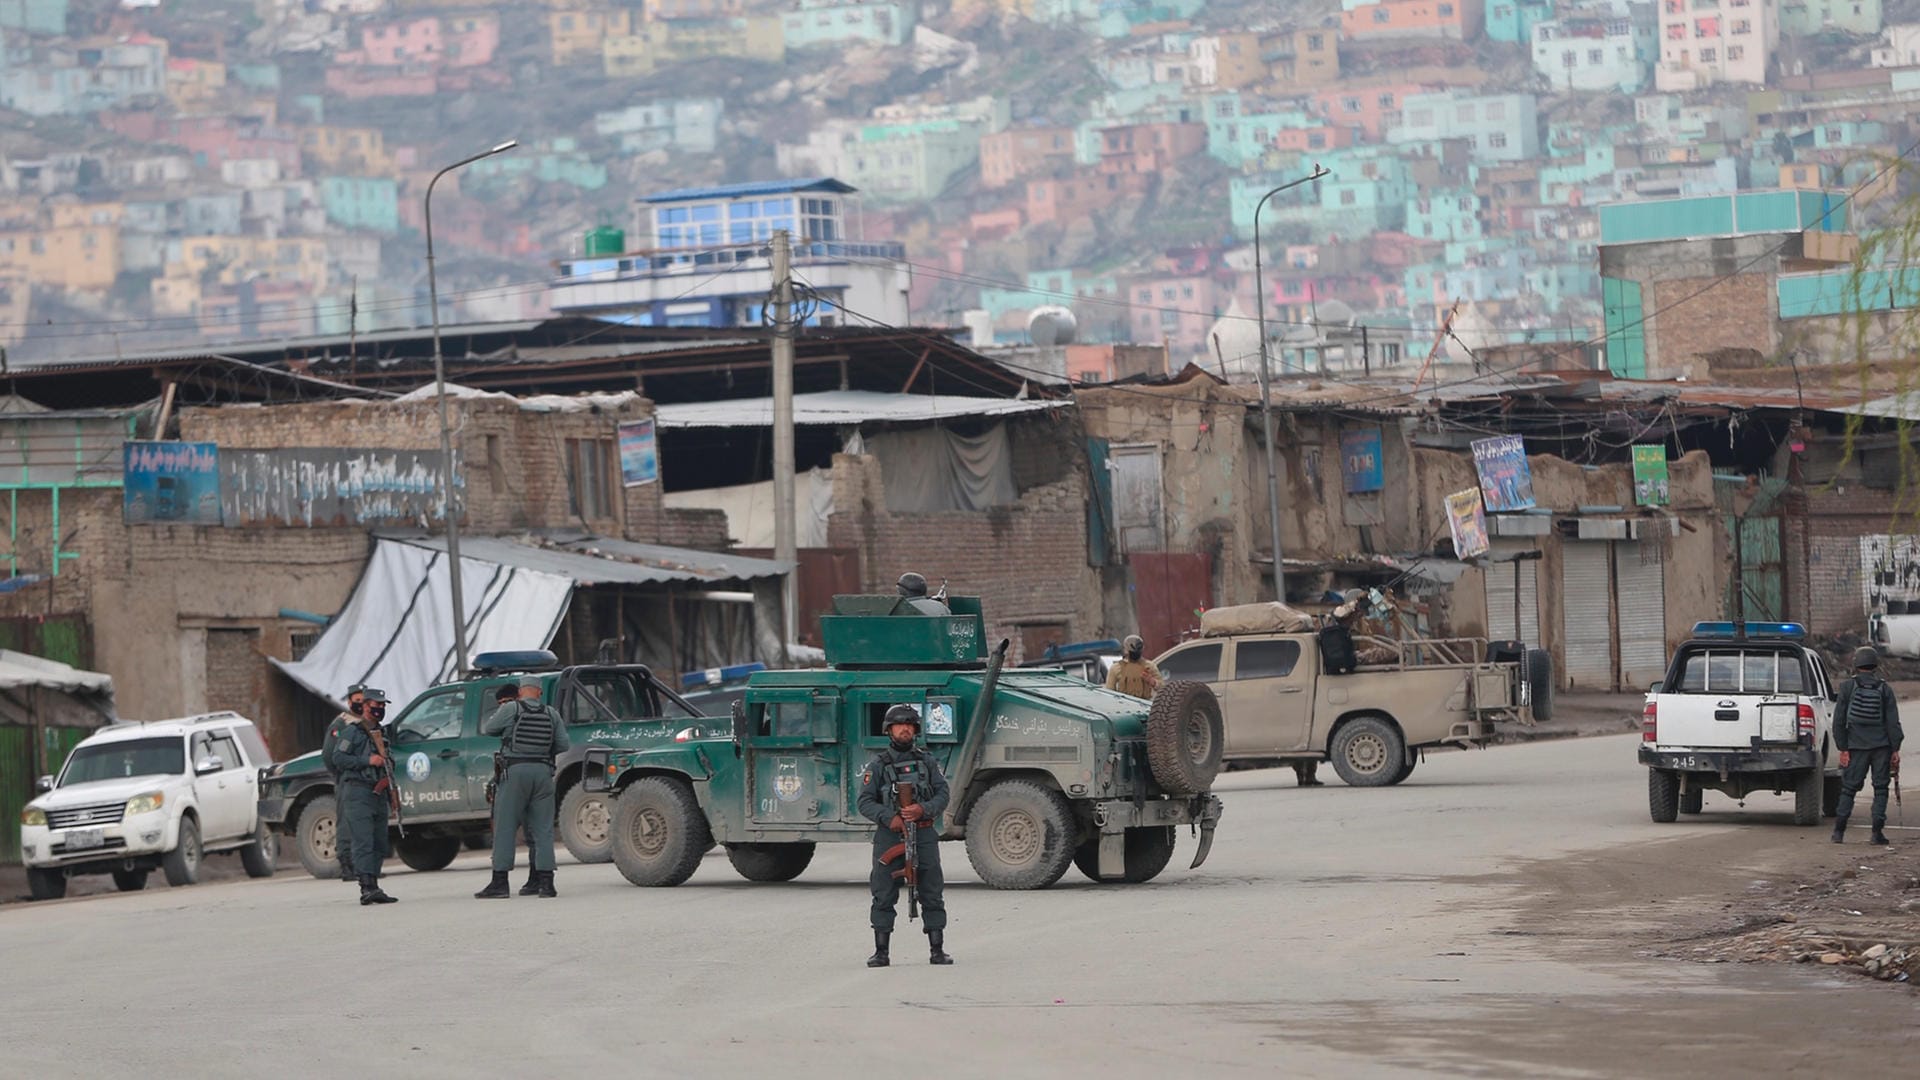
[515, 660]
[1729, 630]
[694, 680]
[1082, 648]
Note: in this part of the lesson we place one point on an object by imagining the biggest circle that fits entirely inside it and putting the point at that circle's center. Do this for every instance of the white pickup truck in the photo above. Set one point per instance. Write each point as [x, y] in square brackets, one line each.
[1745, 707]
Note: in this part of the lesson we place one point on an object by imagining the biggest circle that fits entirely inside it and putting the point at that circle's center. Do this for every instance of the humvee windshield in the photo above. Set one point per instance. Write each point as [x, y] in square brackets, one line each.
[605, 696]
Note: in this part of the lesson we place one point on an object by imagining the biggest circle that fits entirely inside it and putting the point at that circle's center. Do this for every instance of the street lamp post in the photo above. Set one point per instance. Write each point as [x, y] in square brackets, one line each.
[1266, 379]
[446, 430]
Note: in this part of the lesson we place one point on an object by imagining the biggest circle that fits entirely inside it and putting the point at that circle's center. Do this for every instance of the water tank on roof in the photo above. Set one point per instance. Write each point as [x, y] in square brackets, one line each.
[1051, 325]
[605, 240]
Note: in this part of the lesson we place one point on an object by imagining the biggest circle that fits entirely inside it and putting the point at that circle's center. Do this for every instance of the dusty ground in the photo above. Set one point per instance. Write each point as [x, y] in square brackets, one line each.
[1500, 914]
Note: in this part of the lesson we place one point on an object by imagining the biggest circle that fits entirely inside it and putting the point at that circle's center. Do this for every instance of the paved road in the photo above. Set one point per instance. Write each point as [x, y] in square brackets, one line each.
[1334, 932]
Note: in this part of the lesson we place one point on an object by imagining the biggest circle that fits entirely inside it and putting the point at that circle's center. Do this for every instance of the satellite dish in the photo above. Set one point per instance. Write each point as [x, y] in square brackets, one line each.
[1051, 325]
[1335, 313]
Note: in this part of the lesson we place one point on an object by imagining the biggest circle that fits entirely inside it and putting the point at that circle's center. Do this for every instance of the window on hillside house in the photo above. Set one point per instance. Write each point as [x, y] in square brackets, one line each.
[1708, 56]
[1743, 26]
[1736, 52]
[590, 476]
[1347, 197]
[1380, 15]
[1595, 56]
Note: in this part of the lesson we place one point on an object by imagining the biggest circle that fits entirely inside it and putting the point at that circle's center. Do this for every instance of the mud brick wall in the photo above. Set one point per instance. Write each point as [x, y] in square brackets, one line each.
[1027, 562]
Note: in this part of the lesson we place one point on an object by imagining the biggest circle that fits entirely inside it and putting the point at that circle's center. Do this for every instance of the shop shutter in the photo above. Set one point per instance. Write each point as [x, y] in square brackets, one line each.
[1584, 604]
[1499, 577]
[1639, 569]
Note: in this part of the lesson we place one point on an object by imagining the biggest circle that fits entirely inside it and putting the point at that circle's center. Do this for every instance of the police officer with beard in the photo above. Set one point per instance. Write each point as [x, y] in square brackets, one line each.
[531, 737]
[903, 762]
[1866, 730]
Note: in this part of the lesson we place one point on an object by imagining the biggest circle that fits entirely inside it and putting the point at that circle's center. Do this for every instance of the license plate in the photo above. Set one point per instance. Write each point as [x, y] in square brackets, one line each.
[82, 839]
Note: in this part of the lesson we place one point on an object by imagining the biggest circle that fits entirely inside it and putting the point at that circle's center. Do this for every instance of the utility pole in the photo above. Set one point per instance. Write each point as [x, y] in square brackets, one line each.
[451, 509]
[1266, 396]
[784, 543]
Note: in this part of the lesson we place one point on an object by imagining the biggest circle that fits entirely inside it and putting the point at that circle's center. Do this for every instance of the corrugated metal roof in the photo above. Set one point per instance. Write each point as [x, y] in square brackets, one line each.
[600, 561]
[836, 407]
[1895, 407]
[757, 187]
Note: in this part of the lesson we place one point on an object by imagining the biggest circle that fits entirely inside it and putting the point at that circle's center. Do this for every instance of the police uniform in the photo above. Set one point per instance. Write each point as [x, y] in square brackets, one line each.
[877, 803]
[913, 590]
[342, 847]
[1866, 724]
[363, 805]
[531, 737]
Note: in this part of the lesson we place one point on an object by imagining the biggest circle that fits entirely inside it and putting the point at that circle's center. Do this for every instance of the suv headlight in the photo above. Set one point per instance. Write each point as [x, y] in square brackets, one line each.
[33, 815]
[145, 804]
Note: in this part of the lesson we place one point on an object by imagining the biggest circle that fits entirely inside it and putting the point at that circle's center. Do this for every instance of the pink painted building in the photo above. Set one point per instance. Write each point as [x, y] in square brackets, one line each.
[466, 40]
[1149, 148]
[1366, 106]
[1459, 20]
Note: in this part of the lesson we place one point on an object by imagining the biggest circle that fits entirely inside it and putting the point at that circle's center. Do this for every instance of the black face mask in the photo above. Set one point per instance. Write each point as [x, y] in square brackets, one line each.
[375, 713]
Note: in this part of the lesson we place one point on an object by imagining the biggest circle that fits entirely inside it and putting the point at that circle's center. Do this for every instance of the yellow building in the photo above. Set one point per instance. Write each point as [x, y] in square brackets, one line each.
[229, 260]
[77, 258]
[192, 83]
[361, 151]
[578, 35]
[658, 44]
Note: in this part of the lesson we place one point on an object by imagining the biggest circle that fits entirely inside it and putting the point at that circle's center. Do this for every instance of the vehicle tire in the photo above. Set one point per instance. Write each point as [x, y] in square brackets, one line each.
[1148, 850]
[770, 862]
[1540, 682]
[428, 853]
[182, 864]
[1368, 751]
[1405, 770]
[46, 884]
[130, 880]
[1808, 793]
[317, 838]
[261, 857]
[1691, 801]
[586, 824]
[1021, 835]
[1663, 795]
[1185, 736]
[481, 841]
[1829, 796]
[659, 832]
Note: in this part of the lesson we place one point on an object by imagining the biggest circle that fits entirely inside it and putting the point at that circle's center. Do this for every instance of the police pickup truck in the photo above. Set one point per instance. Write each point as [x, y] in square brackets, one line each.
[1745, 707]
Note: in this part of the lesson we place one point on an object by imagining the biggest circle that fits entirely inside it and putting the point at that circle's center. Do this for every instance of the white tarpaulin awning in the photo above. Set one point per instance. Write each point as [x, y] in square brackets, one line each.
[396, 632]
[833, 408]
[18, 670]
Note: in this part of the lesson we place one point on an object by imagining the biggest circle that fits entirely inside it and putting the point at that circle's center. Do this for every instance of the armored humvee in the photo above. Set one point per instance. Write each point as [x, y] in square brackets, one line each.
[1046, 770]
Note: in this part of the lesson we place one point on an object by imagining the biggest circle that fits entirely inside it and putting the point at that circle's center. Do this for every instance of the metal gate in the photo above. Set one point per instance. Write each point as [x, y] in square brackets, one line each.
[1640, 589]
[1500, 579]
[20, 770]
[1168, 587]
[1586, 614]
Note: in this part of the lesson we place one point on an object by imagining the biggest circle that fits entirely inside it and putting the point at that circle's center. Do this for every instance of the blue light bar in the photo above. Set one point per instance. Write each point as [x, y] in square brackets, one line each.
[694, 680]
[1789, 630]
[1082, 648]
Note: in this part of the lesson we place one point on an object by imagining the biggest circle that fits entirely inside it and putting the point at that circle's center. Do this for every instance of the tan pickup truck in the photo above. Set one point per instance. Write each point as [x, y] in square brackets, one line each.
[1280, 704]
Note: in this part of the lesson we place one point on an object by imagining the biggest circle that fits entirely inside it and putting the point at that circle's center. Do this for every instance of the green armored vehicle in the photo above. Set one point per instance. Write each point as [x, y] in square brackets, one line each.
[1046, 770]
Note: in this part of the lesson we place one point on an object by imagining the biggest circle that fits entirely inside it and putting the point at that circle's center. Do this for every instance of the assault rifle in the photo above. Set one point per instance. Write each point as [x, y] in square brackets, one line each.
[903, 797]
[392, 786]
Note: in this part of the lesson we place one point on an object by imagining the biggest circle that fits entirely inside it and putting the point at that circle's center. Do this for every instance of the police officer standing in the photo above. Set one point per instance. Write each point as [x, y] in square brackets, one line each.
[1866, 730]
[903, 762]
[364, 779]
[913, 588]
[1134, 674]
[342, 848]
[531, 737]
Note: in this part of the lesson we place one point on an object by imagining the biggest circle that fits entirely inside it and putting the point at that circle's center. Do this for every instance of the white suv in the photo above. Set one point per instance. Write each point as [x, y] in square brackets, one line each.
[1744, 708]
[135, 796]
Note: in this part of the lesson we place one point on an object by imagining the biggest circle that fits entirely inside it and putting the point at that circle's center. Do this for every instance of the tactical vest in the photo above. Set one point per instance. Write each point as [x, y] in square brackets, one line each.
[531, 735]
[1867, 707]
[912, 767]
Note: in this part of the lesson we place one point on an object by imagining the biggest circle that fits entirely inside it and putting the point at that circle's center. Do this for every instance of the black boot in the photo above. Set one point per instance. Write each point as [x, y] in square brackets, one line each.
[879, 957]
[496, 889]
[1879, 837]
[546, 885]
[347, 874]
[1839, 830]
[937, 947]
[533, 882]
[370, 892]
